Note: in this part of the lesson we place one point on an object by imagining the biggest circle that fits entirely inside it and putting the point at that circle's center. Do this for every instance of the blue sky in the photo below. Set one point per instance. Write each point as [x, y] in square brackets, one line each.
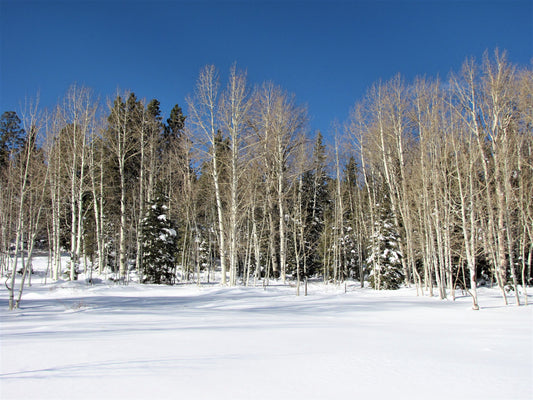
[325, 52]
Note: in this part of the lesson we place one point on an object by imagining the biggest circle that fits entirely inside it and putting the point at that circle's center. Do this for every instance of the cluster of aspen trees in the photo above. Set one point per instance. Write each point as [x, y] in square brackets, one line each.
[446, 165]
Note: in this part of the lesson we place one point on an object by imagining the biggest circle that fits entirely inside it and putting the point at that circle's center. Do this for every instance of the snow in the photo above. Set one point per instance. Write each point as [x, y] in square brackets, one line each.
[107, 341]
[171, 232]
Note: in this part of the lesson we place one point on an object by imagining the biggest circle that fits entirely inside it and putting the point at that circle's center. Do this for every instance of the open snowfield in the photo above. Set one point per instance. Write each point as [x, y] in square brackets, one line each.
[73, 341]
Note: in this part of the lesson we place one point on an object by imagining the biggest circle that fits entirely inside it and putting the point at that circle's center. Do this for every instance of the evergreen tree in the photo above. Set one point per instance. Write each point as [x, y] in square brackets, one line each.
[352, 250]
[122, 164]
[175, 165]
[155, 128]
[159, 242]
[12, 136]
[175, 124]
[349, 184]
[384, 258]
[222, 149]
[315, 198]
[153, 156]
[134, 125]
[154, 110]
[348, 243]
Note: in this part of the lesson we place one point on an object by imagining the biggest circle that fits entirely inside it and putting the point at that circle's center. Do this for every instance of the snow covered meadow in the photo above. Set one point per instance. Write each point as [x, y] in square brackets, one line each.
[73, 341]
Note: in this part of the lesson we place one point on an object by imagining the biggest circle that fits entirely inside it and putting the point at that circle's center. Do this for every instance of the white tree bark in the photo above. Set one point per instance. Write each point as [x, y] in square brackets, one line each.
[203, 113]
[234, 113]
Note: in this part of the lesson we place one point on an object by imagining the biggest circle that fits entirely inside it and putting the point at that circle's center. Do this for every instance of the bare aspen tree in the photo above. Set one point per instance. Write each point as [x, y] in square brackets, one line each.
[203, 114]
[278, 122]
[256, 193]
[251, 199]
[445, 188]
[466, 159]
[189, 190]
[234, 114]
[32, 123]
[142, 197]
[339, 216]
[12, 141]
[96, 174]
[123, 149]
[263, 126]
[487, 99]
[467, 91]
[289, 121]
[6, 202]
[78, 111]
[388, 108]
[523, 176]
[299, 217]
[55, 164]
[398, 106]
[34, 211]
[434, 178]
[498, 86]
[358, 131]
[145, 185]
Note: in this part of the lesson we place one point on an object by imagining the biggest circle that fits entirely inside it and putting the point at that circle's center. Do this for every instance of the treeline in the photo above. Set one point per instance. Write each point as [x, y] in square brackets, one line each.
[428, 183]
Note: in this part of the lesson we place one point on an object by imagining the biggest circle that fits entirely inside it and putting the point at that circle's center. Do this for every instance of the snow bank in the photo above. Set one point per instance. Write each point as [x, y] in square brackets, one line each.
[72, 341]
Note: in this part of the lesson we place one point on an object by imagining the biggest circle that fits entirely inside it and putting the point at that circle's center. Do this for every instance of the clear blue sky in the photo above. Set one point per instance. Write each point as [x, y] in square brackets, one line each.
[326, 52]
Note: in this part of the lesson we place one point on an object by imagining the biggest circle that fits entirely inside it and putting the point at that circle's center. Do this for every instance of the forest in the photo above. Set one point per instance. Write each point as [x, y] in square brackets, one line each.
[427, 184]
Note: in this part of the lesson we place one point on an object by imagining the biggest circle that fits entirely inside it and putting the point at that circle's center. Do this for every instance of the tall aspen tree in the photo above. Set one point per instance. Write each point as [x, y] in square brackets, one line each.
[234, 114]
[278, 122]
[32, 123]
[78, 112]
[203, 117]
[123, 144]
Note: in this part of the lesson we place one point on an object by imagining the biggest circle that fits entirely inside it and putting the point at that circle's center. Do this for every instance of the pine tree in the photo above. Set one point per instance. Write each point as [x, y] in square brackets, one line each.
[352, 248]
[349, 253]
[12, 136]
[122, 163]
[384, 258]
[316, 198]
[175, 124]
[172, 151]
[159, 242]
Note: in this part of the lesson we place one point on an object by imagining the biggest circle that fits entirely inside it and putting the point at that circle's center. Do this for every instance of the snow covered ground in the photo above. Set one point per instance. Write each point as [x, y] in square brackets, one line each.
[73, 341]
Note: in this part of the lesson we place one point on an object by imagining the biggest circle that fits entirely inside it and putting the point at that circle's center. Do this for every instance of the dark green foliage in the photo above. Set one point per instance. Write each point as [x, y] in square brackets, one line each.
[349, 252]
[349, 184]
[175, 124]
[153, 120]
[315, 199]
[12, 136]
[134, 126]
[159, 242]
[384, 258]
[153, 110]
[352, 246]
[124, 120]
[173, 153]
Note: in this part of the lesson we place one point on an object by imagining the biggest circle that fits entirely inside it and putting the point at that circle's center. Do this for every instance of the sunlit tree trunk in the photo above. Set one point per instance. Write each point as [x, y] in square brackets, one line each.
[31, 124]
[123, 147]
[234, 109]
[278, 122]
[467, 94]
[77, 113]
[203, 112]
